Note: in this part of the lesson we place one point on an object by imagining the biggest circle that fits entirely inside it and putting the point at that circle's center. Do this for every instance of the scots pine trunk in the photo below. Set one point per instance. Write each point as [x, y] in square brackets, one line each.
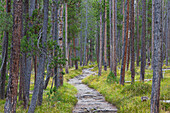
[11, 100]
[3, 67]
[156, 57]
[143, 48]
[100, 51]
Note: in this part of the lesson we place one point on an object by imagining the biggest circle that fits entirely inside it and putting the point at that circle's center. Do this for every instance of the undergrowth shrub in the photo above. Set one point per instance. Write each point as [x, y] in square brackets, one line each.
[111, 78]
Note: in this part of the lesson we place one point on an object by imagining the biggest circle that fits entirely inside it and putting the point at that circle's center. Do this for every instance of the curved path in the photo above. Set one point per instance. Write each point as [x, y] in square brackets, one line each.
[89, 100]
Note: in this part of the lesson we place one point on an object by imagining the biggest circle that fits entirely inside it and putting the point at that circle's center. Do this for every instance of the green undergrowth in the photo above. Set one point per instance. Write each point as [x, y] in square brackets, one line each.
[127, 98]
[62, 100]
[56, 101]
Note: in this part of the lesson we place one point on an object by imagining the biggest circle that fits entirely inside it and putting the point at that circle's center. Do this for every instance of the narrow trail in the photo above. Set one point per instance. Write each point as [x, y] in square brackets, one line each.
[89, 100]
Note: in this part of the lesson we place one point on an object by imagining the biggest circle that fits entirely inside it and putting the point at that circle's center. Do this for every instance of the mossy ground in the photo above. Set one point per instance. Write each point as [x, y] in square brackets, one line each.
[61, 101]
[127, 98]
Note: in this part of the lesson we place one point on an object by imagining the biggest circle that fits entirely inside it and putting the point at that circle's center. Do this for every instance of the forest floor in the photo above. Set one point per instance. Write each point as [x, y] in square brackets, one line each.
[89, 100]
[127, 98]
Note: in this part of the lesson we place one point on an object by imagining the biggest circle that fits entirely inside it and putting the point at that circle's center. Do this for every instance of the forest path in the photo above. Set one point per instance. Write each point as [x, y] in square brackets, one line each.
[89, 100]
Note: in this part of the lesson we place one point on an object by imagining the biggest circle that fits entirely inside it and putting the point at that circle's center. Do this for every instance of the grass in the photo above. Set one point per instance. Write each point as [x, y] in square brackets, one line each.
[127, 98]
[62, 100]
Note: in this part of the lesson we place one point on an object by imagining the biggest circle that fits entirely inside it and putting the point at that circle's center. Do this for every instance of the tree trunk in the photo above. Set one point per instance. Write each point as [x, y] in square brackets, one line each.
[60, 43]
[105, 38]
[122, 75]
[138, 36]
[100, 51]
[156, 57]
[114, 13]
[111, 45]
[153, 3]
[166, 33]
[85, 44]
[81, 44]
[132, 42]
[128, 52]
[4, 56]
[143, 48]
[55, 39]
[11, 100]
[66, 41]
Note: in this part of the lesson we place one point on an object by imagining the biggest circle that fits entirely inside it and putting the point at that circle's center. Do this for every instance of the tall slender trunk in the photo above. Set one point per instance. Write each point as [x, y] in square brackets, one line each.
[81, 44]
[66, 41]
[138, 36]
[11, 100]
[143, 48]
[60, 43]
[166, 33]
[4, 56]
[85, 44]
[114, 13]
[122, 75]
[156, 57]
[100, 51]
[55, 39]
[153, 3]
[132, 42]
[105, 38]
[111, 45]
[49, 70]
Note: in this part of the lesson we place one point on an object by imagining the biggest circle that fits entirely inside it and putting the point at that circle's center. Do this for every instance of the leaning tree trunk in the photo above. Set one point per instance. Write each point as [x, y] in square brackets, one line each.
[38, 88]
[156, 57]
[11, 100]
[4, 56]
[143, 48]
[100, 51]
[122, 75]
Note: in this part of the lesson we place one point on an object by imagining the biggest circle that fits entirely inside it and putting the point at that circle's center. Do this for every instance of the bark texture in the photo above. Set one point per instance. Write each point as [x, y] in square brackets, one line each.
[11, 100]
[156, 57]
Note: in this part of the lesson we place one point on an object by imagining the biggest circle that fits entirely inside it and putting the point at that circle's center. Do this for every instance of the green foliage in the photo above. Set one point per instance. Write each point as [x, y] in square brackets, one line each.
[137, 89]
[111, 78]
